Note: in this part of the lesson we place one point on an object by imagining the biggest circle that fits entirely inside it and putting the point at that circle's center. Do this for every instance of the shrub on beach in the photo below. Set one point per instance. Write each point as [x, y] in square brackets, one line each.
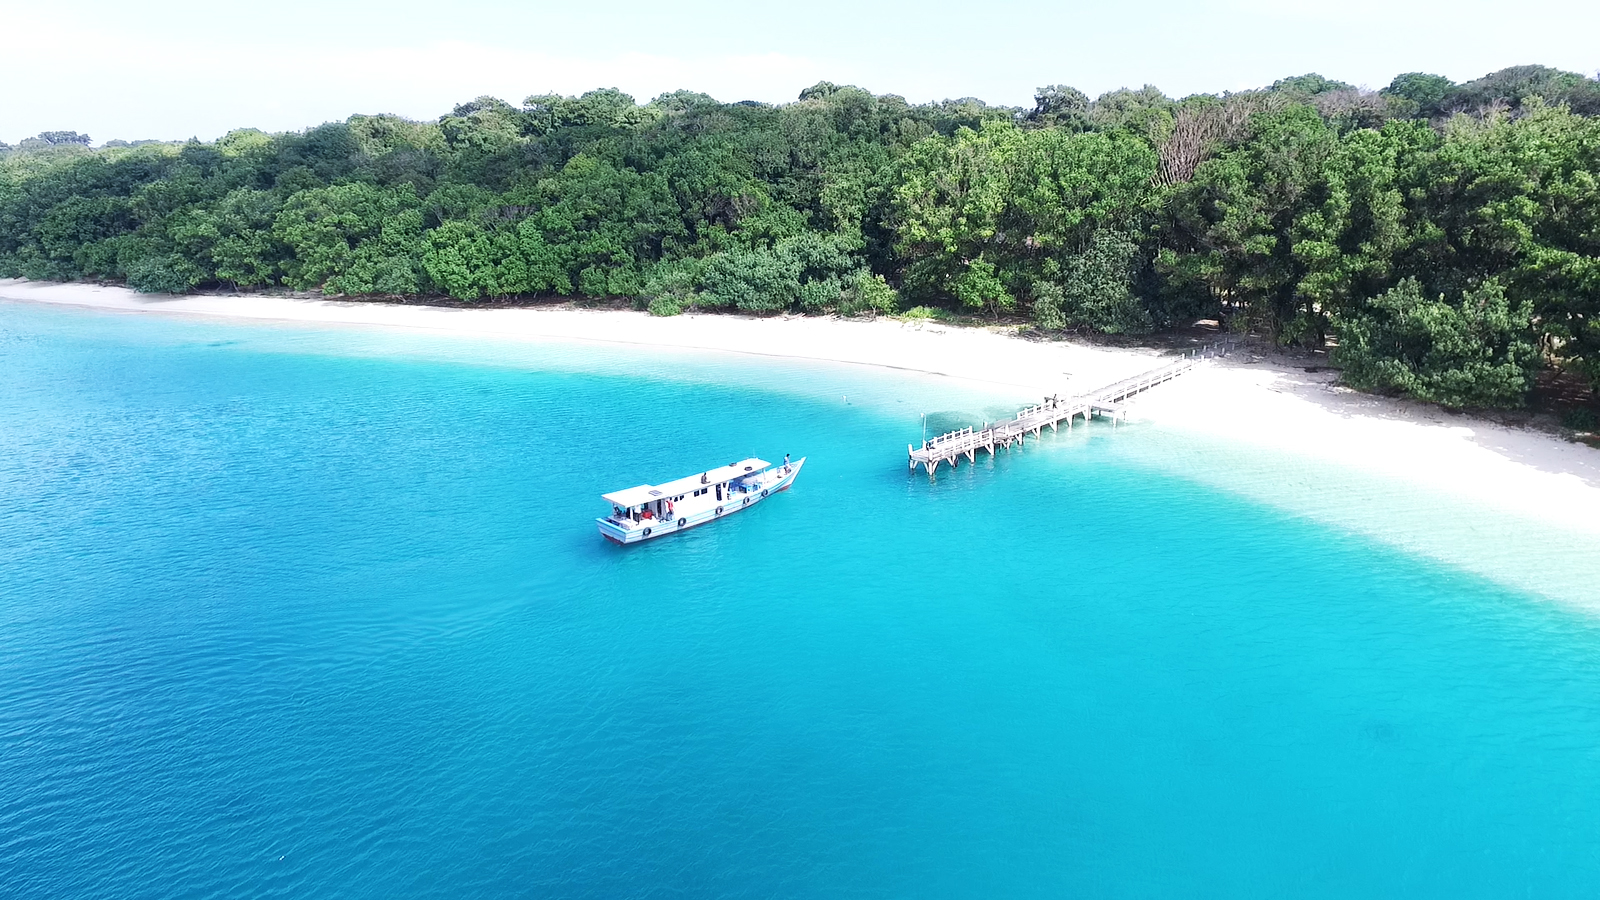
[671, 288]
[1480, 351]
[170, 274]
[1583, 420]
[870, 294]
[665, 306]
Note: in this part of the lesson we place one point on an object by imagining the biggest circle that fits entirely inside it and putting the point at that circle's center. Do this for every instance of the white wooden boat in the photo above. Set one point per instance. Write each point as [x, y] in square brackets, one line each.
[653, 510]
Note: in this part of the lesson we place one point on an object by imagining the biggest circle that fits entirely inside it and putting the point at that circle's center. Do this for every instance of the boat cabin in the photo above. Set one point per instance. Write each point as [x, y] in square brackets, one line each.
[685, 496]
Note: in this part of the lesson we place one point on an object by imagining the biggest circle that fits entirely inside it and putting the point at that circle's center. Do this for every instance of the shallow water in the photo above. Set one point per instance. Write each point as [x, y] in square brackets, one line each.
[324, 613]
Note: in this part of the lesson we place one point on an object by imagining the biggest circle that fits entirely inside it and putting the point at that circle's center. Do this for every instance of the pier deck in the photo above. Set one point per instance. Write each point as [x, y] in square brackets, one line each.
[1107, 401]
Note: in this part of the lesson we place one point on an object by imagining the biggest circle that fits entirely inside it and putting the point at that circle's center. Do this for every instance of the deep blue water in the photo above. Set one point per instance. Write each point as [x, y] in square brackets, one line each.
[285, 617]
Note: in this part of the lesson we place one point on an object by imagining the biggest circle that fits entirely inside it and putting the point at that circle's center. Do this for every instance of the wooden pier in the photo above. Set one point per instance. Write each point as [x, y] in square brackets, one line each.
[1107, 402]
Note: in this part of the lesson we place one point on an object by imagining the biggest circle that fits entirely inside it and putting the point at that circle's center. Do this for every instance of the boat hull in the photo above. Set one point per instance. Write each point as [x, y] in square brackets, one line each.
[617, 534]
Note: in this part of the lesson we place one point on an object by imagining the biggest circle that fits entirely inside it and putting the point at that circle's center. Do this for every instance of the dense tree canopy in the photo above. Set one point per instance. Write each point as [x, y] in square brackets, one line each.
[1444, 238]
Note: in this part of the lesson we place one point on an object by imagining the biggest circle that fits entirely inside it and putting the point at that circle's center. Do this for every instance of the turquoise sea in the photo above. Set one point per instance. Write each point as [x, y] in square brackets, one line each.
[305, 613]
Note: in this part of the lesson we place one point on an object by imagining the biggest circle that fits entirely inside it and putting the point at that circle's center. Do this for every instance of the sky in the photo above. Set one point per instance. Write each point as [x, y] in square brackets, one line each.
[174, 69]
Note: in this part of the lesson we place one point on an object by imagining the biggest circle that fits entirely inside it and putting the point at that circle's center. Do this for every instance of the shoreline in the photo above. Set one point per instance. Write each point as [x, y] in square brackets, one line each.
[1248, 402]
[967, 354]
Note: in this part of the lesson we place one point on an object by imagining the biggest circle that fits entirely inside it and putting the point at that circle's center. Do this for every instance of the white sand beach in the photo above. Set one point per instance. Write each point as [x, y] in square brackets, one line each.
[1442, 467]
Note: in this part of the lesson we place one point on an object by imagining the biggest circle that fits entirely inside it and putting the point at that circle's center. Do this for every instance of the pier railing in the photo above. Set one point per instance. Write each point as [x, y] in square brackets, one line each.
[1106, 401]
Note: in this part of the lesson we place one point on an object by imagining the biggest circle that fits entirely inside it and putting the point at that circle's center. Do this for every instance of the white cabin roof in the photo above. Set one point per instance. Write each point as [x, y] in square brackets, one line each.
[649, 493]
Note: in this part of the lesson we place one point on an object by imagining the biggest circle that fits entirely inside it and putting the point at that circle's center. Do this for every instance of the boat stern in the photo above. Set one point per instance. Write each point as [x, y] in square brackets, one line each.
[615, 533]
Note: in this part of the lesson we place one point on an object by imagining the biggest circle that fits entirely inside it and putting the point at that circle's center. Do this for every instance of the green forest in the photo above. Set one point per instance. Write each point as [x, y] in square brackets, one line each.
[1442, 239]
